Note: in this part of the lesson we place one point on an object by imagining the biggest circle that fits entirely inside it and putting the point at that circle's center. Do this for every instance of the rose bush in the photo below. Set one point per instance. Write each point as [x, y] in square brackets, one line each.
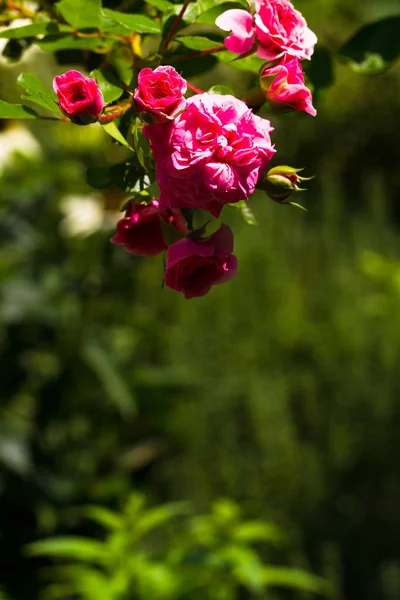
[211, 154]
[160, 92]
[195, 265]
[79, 97]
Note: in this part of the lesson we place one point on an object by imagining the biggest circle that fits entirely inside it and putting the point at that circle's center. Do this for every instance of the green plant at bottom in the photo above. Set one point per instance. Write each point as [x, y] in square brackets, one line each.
[165, 553]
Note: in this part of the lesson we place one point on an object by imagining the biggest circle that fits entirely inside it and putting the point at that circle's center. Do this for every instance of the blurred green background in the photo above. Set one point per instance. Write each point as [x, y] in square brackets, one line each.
[279, 391]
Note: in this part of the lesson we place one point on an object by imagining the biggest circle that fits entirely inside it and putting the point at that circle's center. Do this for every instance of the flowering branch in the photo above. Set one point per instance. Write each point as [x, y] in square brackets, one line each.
[174, 27]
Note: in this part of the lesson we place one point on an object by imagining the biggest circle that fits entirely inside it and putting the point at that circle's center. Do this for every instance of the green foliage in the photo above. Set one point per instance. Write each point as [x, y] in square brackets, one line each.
[15, 111]
[208, 556]
[39, 93]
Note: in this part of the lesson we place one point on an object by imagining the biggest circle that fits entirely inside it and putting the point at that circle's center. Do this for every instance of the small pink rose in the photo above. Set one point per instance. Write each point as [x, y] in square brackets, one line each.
[79, 97]
[277, 29]
[195, 265]
[140, 230]
[284, 88]
[160, 92]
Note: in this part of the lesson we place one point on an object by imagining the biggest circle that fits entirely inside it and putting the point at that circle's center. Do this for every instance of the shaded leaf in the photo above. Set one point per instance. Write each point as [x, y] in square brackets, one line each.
[257, 531]
[101, 364]
[320, 69]
[380, 38]
[54, 43]
[33, 30]
[295, 578]
[209, 15]
[221, 89]
[162, 5]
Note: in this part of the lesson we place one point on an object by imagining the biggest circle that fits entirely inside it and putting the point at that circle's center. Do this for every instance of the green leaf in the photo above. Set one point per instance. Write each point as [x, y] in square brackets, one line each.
[142, 147]
[197, 42]
[108, 85]
[81, 14]
[257, 531]
[16, 111]
[246, 212]
[39, 93]
[162, 5]
[215, 9]
[157, 517]
[99, 177]
[53, 43]
[77, 548]
[112, 130]
[134, 23]
[375, 39]
[320, 69]
[103, 516]
[295, 578]
[248, 63]
[221, 89]
[206, 5]
[101, 364]
[33, 30]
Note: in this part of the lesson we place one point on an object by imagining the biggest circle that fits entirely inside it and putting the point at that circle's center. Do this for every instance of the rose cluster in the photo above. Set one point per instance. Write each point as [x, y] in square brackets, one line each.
[280, 35]
[209, 150]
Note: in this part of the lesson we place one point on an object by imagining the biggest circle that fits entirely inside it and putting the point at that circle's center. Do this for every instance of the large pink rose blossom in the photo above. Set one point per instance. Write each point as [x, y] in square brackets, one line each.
[140, 230]
[283, 85]
[278, 29]
[211, 154]
[79, 97]
[195, 265]
[160, 92]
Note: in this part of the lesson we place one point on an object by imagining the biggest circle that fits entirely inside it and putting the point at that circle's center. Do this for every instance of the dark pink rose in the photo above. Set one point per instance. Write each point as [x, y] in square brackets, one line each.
[283, 85]
[160, 92]
[277, 29]
[211, 154]
[140, 230]
[195, 265]
[79, 97]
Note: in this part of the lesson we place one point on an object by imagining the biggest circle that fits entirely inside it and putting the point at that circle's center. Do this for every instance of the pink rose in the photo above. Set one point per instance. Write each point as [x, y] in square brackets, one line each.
[160, 92]
[140, 230]
[79, 97]
[211, 154]
[278, 29]
[283, 85]
[195, 265]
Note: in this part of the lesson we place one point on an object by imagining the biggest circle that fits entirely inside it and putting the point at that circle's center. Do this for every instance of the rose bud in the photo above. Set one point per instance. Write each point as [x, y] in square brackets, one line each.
[160, 92]
[280, 182]
[79, 97]
[284, 88]
[195, 265]
[140, 231]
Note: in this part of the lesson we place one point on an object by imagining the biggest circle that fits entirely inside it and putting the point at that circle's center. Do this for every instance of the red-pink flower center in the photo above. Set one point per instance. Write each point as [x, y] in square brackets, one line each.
[77, 91]
[160, 88]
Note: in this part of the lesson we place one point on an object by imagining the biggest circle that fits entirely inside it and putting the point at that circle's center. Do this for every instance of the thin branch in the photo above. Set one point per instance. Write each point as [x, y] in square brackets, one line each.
[174, 27]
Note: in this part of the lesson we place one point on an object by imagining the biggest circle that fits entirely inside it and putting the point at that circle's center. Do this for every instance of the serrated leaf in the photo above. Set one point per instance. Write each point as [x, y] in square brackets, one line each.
[53, 43]
[81, 14]
[197, 42]
[16, 111]
[78, 548]
[377, 39]
[39, 93]
[134, 23]
[112, 130]
[108, 85]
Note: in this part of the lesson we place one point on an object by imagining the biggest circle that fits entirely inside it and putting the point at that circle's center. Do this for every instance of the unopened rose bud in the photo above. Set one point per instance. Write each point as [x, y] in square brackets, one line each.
[79, 97]
[280, 182]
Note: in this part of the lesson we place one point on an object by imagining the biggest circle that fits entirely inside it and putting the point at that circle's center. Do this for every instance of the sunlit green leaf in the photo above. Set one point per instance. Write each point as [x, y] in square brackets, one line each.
[70, 547]
[109, 86]
[39, 93]
[16, 111]
[295, 578]
[162, 5]
[34, 29]
[81, 14]
[221, 89]
[197, 42]
[133, 23]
